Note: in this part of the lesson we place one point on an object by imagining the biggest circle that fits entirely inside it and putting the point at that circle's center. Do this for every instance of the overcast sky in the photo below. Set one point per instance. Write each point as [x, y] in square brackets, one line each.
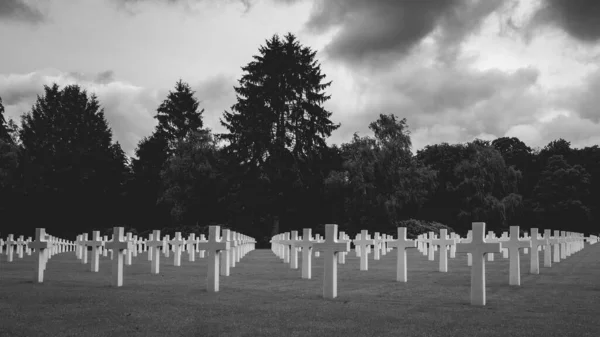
[456, 69]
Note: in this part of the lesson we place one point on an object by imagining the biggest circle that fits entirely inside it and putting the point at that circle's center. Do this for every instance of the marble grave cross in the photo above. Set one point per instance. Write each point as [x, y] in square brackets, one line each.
[96, 243]
[307, 245]
[443, 242]
[401, 245]
[177, 244]
[330, 248]
[513, 245]
[155, 243]
[478, 248]
[225, 264]
[362, 242]
[213, 246]
[536, 241]
[118, 245]
[41, 247]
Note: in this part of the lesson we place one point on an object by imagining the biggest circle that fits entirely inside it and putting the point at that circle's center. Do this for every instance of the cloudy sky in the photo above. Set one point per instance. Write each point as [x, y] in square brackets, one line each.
[456, 69]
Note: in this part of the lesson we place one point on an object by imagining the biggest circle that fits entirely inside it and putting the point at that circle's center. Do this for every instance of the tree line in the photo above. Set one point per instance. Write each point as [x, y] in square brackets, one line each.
[273, 171]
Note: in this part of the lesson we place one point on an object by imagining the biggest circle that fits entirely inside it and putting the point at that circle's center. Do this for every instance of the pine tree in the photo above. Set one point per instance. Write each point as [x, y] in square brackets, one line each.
[179, 118]
[277, 128]
[279, 104]
[178, 115]
[4, 129]
[69, 161]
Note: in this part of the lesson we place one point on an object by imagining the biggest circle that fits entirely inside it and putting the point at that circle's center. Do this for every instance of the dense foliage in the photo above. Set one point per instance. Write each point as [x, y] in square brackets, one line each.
[273, 170]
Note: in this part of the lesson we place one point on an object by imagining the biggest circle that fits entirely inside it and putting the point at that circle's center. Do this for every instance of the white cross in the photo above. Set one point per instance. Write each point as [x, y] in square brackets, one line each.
[20, 245]
[213, 246]
[294, 250]
[201, 252]
[166, 247]
[287, 244]
[456, 238]
[233, 248]
[137, 247]
[330, 248]
[129, 253]
[95, 243]
[362, 242]
[155, 243]
[536, 241]
[563, 244]
[401, 245]
[557, 246]
[41, 246]
[79, 246]
[377, 240]
[10, 242]
[342, 256]
[190, 247]
[84, 258]
[478, 249]
[491, 238]
[430, 251]
[177, 243]
[513, 245]
[443, 242]
[225, 259]
[104, 250]
[306, 244]
[118, 245]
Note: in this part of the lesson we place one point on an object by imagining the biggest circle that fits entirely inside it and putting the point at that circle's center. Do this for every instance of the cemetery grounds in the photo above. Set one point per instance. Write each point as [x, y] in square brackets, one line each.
[264, 297]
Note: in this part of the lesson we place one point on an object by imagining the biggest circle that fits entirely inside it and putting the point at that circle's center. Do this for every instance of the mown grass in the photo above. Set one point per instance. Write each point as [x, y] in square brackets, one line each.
[263, 297]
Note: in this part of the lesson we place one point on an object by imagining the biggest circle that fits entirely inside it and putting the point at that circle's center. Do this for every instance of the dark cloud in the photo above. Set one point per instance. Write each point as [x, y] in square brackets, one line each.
[132, 6]
[19, 10]
[578, 18]
[17, 89]
[580, 132]
[380, 31]
[442, 103]
[436, 90]
[585, 100]
[215, 94]
[462, 20]
[103, 77]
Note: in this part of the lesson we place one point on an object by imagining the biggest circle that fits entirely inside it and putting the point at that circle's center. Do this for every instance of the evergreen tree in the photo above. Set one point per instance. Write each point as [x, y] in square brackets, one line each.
[69, 163]
[278, 126]
[193, 184]
[178, 116]
[178, 120]
[145, 186]
[4, 130]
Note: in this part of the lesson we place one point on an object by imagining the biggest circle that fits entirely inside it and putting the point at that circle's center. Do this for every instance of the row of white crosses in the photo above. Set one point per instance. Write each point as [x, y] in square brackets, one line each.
[15, 246]
[45, 246]
[226, 251]
[286, 246]
[281, 245]
[20, 246]
[334, 247]
[477, 246]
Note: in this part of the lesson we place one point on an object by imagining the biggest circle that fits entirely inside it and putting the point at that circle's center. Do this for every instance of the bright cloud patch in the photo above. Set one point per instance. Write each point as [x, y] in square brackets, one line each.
[129, 109]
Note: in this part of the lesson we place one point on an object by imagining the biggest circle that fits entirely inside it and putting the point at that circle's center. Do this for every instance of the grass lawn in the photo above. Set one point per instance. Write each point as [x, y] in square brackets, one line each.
[264, 297]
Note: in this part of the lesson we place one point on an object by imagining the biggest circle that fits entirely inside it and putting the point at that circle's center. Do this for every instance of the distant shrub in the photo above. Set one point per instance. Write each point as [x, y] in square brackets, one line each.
[418, 227]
